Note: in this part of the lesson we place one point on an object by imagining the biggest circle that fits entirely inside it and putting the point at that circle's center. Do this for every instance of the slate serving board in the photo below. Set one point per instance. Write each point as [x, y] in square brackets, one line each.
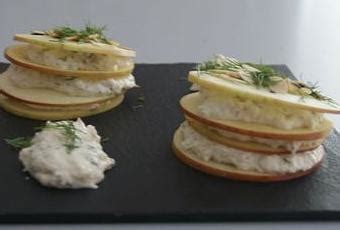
[149, 184]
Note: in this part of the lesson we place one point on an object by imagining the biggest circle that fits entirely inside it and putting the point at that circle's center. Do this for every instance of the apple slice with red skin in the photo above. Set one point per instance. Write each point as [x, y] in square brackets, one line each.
[16, 55]
[215, 135]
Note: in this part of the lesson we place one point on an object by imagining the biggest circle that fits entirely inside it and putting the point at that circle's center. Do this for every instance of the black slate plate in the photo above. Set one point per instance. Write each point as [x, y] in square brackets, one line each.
[148, 183]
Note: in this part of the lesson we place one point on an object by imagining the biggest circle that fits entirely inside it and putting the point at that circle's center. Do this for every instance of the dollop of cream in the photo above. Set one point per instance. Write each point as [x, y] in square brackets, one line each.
[49, 161]
[195, 143]
[236, 108]
[26, 78]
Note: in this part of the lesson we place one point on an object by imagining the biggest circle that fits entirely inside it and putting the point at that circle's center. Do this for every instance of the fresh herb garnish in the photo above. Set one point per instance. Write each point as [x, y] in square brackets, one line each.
[260, 76]
[220, 63]
[265, 76]
[135, 107]
[105, 139]
[20, 142]
[90, 34]
[141, 98]
[313, 91]
[68, 130]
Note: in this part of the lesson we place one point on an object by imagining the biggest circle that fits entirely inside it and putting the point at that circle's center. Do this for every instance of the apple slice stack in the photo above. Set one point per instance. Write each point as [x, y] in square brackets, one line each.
[249, 122]
[65, 73]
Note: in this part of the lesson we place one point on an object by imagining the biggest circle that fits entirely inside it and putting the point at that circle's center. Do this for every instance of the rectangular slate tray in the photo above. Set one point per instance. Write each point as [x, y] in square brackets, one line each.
[149, 184]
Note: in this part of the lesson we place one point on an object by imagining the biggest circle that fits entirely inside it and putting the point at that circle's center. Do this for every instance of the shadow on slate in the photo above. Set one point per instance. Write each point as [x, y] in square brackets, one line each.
[149, 184]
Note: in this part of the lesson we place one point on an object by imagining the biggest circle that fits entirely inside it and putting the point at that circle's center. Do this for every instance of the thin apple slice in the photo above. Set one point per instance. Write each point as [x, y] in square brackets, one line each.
[190, 103]
[16, 55]
[44, 96]
[223, 85]
[47, 41]
[45, 112]
[250, 146]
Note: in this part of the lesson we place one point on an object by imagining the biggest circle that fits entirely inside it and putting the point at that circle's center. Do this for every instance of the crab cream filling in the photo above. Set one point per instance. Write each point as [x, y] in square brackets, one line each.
[48, 160]
[203, 148]
[73, 60]
[26, 78]
[236, 108]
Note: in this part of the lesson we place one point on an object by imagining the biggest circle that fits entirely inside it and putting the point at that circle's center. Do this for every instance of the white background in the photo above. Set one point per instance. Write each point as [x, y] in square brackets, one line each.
[304, 34]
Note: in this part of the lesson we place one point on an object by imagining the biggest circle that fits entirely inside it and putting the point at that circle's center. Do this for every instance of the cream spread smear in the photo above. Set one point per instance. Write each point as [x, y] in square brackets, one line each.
[73, 60]
[216, 106]
[203, 148]
[26, 78]
[48, 160]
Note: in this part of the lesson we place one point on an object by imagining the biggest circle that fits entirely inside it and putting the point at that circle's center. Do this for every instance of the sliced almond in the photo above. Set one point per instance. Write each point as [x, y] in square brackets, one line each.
[227, 72]
[245, 76]
[292, 88]
[250, 68]
[305, 91]
[280, 87]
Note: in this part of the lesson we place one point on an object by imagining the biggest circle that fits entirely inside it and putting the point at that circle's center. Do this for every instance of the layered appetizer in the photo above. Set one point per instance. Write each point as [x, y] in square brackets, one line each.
[250, 122]
[64, 73]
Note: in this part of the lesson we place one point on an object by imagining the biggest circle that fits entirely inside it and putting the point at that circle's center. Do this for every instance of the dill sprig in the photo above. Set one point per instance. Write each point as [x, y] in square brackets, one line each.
[261, 76]
[90, 34]
[20, 142]
[68, 130]
[63, 33]
[220, 63]
[105, 139]
[265, 76]
[316, 93]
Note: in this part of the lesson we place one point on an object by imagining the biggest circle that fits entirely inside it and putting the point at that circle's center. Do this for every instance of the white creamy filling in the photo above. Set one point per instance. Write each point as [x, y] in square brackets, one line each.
[207, 150]
[26, 78]
[292, 146]
[236, 108]
[72, 60]
[48, 161]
